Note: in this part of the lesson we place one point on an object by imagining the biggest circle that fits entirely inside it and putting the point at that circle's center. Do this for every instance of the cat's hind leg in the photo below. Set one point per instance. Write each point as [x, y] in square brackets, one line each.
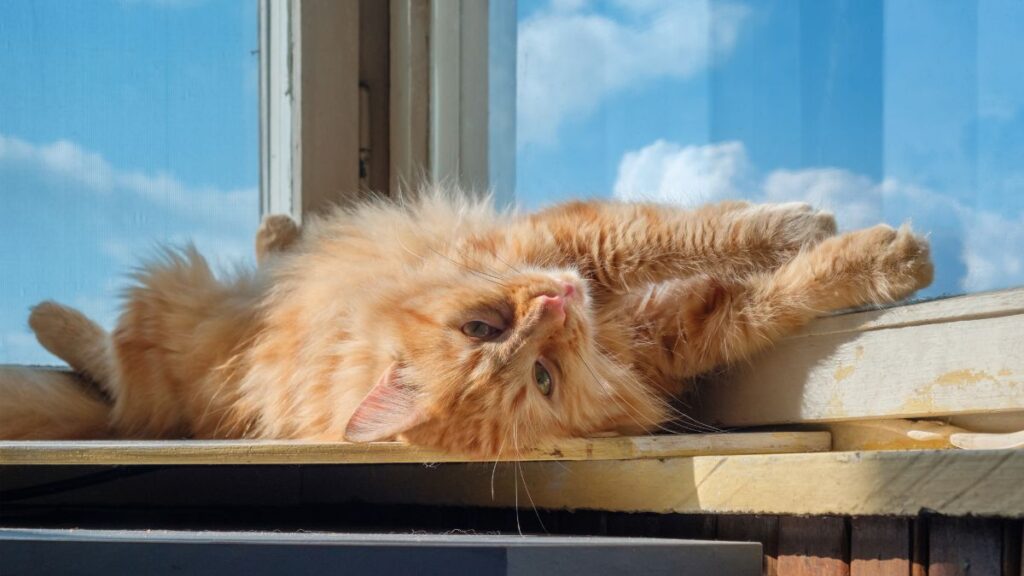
[277, 233]
[71, 336]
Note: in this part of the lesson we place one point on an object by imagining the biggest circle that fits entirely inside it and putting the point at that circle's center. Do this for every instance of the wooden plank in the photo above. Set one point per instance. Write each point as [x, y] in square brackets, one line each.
[897, 483]
[993, 423]
[816, 546]
[890, 435]
[880, 546]
[914, 371]
[969, 307]
[754, 528]
[964, 546]
[231, 452]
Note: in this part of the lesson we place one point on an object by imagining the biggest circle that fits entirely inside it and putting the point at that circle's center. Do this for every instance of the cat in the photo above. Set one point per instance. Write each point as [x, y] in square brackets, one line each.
[443, 322]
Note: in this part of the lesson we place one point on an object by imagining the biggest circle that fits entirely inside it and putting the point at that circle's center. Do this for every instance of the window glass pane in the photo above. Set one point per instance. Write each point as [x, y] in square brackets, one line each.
[878, 110]
[123, 124]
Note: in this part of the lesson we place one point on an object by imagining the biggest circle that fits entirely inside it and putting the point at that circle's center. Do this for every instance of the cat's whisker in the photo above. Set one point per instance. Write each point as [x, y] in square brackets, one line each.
[489, 277]
[689, 423]
[526, 487]
[616, 393]
[507, 263]
[501, 447]
[515, 483]
[496, 279]
[489, 269]
[645, 390]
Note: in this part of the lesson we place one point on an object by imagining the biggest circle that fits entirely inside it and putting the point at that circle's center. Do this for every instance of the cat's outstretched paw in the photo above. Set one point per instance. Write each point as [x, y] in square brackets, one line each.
[276, 233]
[804, 225]
[900, 260]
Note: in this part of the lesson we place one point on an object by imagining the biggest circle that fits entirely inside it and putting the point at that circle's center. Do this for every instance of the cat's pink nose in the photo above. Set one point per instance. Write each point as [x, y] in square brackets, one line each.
[554, 305]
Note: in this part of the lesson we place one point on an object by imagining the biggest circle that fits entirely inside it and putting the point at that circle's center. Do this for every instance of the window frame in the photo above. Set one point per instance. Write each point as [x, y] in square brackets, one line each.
[447, 85]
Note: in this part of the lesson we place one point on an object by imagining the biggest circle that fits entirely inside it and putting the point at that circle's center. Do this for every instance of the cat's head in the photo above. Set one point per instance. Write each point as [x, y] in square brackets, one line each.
[489, 364]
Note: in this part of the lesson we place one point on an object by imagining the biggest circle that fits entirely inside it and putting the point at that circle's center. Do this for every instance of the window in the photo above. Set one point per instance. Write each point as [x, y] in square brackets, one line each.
[123, 124]
[128, 123]
[880, 111]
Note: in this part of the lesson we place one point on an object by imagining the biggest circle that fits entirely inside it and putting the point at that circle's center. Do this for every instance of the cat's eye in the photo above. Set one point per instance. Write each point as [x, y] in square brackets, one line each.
[480, 330]
[543, 378]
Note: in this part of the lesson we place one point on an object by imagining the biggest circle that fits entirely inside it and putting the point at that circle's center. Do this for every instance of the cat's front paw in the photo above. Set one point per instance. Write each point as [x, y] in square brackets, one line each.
[900, 260]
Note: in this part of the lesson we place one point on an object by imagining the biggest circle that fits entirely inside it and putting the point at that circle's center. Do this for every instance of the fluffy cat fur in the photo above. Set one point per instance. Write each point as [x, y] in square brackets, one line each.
[436, 321]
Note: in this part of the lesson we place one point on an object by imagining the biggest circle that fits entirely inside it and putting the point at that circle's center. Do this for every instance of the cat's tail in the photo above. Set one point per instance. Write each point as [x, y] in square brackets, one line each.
[49, 404]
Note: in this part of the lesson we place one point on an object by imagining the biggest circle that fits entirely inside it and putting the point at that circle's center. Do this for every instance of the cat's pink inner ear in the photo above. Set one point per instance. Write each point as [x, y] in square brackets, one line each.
[391, 407]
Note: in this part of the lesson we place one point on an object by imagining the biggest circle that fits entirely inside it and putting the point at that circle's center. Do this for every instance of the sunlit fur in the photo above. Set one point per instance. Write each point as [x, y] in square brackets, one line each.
[658, 295]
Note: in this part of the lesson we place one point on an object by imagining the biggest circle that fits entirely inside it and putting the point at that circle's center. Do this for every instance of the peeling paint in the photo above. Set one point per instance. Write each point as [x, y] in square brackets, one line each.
[844, 372]
[836, 408]
[961, 377]
[923, 404]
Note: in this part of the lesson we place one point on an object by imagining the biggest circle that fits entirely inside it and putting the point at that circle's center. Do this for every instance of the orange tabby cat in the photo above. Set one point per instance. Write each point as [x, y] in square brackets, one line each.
[445, 323]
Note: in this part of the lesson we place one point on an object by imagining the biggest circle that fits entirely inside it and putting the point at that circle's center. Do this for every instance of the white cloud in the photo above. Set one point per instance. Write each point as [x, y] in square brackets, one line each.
[570, 59]
[62, 158]
[992, 245]
[69, 161]
[855, 198]
[690, 175]
[157, 208]
[993, 252]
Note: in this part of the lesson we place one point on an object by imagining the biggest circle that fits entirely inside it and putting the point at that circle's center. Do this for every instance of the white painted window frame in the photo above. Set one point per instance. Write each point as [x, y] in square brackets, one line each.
[452, 100]
[472, 95]
[276, 108]
[309, 104]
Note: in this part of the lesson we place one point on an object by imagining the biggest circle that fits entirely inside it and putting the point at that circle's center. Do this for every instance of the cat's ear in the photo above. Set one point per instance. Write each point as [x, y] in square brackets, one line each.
[391, 407]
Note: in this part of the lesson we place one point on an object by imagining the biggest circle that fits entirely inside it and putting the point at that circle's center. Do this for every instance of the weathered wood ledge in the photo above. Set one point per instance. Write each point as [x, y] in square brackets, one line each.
[234, 452]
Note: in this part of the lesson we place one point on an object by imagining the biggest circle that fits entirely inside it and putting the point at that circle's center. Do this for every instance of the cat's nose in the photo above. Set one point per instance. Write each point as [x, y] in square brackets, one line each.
[553, 305]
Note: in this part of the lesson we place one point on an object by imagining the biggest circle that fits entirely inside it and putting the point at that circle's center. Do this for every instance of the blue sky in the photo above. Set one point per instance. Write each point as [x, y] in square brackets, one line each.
[897, 110]
[124, 123]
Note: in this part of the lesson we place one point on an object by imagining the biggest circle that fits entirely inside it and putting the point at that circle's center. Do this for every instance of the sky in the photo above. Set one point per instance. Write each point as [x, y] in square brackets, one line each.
[129, 123]
[879, 111]
[123, 124]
